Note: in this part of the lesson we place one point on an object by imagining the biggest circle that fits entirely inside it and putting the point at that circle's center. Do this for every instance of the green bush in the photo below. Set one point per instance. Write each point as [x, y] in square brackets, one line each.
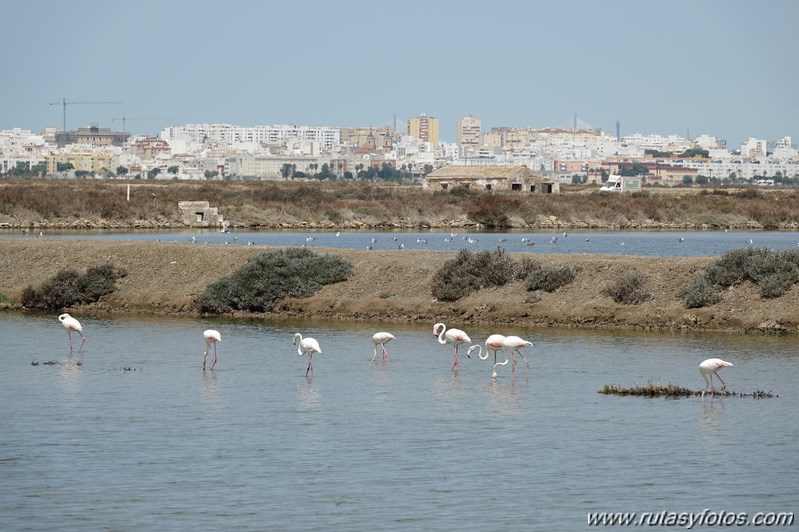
[68, 288]
[700, 292]
[525, 267]
[470, 271]
[550, 278]
[774, 272]
[6, 302]
[292, 272]
[629, 289]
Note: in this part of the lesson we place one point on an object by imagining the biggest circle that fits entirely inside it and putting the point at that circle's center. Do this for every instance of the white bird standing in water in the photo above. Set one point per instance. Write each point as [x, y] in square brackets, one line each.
[381, 339]
[710, 367]
[211, 338]
[512, 344]
[493, 343]
[71, 324]
[308, 346]
[454, 337]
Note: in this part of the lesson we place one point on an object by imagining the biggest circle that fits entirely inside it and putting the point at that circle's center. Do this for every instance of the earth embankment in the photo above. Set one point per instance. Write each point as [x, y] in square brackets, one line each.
[392, 286]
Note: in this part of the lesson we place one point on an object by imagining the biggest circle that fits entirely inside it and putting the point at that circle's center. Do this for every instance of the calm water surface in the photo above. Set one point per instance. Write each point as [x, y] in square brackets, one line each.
[138, 437]
[646, 243]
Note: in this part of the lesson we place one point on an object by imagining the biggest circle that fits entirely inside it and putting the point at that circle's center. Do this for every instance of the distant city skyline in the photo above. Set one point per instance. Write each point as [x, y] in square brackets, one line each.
[715, 67]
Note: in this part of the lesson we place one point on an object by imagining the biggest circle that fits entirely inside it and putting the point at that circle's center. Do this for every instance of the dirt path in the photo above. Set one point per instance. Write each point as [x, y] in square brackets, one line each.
[392, 286]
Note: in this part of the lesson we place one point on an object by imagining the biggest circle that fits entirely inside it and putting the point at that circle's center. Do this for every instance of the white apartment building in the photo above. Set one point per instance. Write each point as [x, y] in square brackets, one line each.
[753, 147]
[327, 137]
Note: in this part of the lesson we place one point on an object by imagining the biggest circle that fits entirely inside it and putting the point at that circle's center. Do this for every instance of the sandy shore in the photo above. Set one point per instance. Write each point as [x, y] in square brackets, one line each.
[391, 286]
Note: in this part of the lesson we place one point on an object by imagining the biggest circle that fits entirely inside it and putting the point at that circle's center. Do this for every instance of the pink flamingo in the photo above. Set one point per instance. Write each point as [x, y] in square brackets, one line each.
[211, 338]
[710, 367]
[454, 337]
[493, 343]
[71, 324]
[381, 338]
[512, 344]
[307, 346]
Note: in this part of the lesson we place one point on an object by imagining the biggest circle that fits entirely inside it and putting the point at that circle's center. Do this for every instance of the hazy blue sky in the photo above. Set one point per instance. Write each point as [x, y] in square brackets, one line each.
[722, 67]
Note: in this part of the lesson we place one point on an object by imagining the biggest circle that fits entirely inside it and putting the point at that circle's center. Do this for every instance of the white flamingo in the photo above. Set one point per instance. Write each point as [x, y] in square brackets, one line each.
[493, 343]
[513, 344]
[381, 338]
[494, 375]
[454, 337]
[211, 338]
[308, 346]
[710, 367]
[71, 324]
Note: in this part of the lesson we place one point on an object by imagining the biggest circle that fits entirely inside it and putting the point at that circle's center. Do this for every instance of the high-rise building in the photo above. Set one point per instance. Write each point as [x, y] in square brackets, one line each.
[468, 133]
[424, 128]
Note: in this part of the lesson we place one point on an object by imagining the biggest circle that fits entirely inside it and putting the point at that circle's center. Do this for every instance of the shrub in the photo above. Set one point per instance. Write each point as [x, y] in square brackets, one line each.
[6, 302]
[293, 272]
[550, 279]
[773, 272]
[700, 292]
[629, 289]
[470, 271]
[525, 267]
[68, 288]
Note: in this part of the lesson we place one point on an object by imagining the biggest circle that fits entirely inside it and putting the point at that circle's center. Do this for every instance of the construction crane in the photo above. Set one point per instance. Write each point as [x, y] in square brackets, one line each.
[63, 103]
[124, 118]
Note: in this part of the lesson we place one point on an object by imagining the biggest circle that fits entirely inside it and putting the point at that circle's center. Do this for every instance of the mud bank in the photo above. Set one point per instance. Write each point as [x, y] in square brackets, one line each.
[394, 286]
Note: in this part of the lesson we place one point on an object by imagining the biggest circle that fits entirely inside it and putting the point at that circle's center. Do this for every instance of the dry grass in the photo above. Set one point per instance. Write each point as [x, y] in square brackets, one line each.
[70, 203]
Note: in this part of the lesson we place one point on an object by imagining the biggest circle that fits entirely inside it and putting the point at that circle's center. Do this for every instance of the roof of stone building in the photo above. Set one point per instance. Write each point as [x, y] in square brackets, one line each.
[483, 172]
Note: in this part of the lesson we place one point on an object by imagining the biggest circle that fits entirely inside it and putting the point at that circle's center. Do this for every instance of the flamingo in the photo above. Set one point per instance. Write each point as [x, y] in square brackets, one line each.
[455, 337]
[71, 324]
[493, 343]
[494, 375]
[710, 367]
[211, 338]
[512, 344]
[307, 346]
[381, 338]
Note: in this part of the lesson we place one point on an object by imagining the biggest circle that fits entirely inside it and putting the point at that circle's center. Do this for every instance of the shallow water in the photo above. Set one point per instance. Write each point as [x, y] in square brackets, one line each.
[138, 437]
[644, 243]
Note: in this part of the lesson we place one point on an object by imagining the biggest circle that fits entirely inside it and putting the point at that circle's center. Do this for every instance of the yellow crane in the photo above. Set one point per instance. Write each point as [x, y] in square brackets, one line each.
[124, 119]
[63, 103]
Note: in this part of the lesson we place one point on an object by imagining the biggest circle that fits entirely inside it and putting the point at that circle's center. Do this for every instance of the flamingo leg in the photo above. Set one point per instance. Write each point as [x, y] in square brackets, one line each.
[310, 365]
[525, 360]
[213, 362]
[374, 356]
[83, 340]
[456, 357]
[70, 340]
[723, 384]
[385, 353]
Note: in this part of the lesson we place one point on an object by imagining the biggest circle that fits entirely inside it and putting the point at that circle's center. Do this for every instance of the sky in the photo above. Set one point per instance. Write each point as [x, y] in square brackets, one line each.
[725, 68]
